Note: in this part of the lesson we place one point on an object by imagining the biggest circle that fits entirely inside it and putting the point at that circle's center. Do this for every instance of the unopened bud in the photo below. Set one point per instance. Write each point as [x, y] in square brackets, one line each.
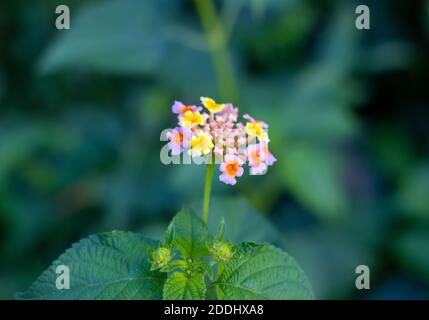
[160, 257]
[222, 251]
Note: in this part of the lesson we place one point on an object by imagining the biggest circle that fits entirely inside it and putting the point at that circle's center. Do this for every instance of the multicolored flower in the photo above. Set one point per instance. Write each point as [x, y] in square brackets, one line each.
[256, 158]
[179, 108]
[179, 139]
[217, 132]
[231, 168]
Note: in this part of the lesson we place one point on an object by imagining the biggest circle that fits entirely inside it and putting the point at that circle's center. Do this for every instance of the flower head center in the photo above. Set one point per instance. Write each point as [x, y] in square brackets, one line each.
[185, 109]
[231, 168]
[256, 157]
[178, 138]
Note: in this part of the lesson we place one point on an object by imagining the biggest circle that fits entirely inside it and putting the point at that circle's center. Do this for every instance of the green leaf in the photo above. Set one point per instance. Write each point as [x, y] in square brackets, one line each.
[261, 271]
[180, 286]
[190, 235]
[111, 265]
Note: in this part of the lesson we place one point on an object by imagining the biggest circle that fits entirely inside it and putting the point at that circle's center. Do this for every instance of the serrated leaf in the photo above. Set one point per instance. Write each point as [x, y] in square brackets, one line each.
[180, 286]
[261, 272]
[111, 265]
[191, 236]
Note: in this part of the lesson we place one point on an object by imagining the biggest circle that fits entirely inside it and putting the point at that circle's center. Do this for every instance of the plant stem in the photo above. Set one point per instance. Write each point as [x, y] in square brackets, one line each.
[227, 87]
[216, 39]
[207, 190]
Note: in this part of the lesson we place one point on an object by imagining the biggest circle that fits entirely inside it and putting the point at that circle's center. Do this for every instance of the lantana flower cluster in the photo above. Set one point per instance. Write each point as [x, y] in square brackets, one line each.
[213, 131]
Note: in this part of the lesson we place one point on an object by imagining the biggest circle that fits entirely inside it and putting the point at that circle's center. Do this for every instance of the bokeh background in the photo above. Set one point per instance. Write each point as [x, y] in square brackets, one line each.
[81, 112]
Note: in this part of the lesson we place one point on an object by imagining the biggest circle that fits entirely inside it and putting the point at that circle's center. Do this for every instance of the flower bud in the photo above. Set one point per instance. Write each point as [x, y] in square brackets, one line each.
[222, 251]
[160, 257]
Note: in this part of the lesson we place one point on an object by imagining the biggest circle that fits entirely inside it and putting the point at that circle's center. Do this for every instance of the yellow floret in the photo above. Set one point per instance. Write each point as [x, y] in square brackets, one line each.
[256, 130]
[201, 144]
[211, 105]
[191, 119]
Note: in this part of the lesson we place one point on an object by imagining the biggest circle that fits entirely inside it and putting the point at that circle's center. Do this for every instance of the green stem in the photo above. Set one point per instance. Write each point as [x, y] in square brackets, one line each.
[217, 41]
[207, 190]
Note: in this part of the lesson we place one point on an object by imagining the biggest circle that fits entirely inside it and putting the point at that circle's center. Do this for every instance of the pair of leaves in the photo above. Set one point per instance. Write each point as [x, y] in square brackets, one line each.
[190, 236]
[116, 265]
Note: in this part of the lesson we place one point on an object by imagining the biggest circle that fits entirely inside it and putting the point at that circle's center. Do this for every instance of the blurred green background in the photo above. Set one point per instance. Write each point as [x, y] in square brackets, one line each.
[81, 112]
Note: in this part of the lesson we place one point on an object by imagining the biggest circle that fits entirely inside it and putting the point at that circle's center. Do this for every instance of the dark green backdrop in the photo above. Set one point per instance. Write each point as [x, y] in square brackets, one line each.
[81, 112]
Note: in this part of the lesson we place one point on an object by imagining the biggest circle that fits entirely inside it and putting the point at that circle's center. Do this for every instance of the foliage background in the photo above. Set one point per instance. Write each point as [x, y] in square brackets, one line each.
[81, 112]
